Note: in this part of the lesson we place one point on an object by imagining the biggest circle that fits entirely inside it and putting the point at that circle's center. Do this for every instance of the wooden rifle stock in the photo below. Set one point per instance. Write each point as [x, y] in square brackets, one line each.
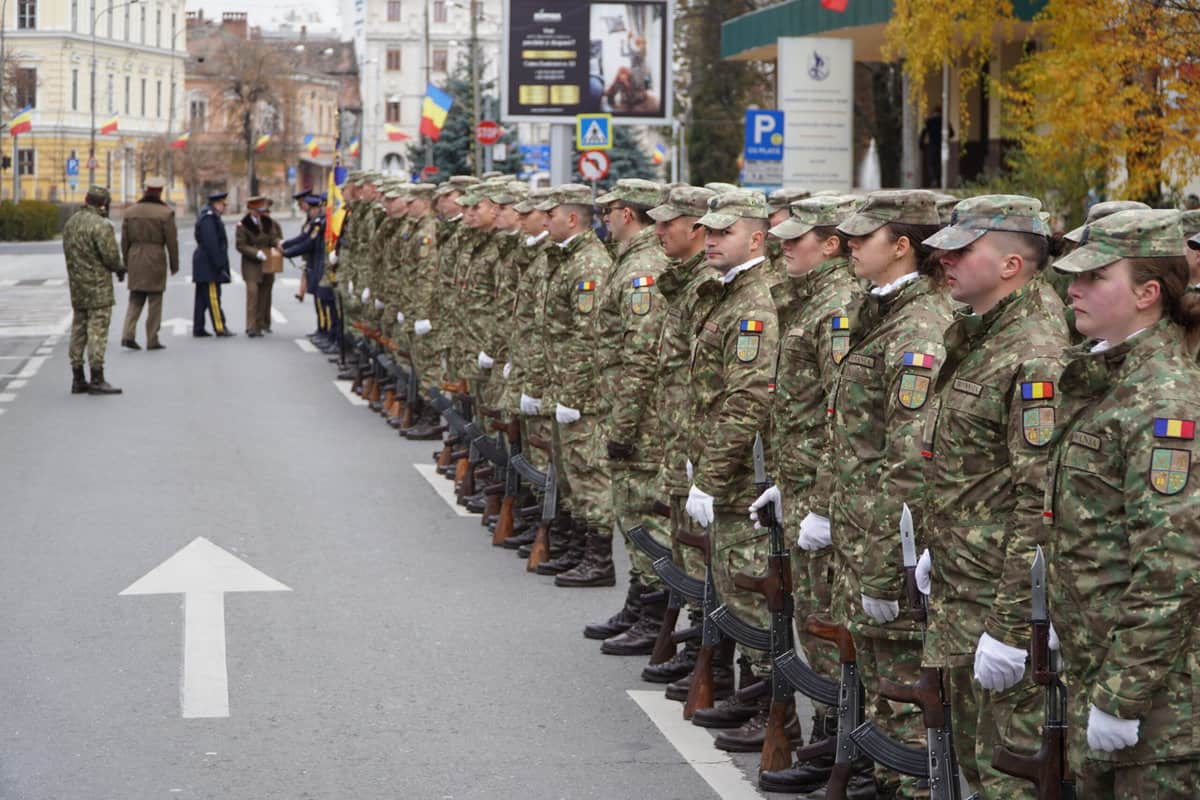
[700, 692]
[832, 632]
[540, 443]
[664, 645]
[661, 509]
[777, 745]
[539, 552]
[504, 521]
[927, 694]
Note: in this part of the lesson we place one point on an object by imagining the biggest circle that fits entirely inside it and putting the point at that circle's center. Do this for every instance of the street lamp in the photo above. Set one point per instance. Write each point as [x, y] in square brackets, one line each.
[92, 144]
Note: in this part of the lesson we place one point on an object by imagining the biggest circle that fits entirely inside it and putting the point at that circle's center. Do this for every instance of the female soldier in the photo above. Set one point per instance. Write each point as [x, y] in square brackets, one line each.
[1125, 545]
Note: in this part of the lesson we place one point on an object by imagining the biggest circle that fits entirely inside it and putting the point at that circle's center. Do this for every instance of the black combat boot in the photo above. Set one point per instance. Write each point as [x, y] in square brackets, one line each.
[621, 621]
[99, 385]
[733, 711]
[596, 568]
[806, 776]
[749, 737]
[639, 640]
[79, 384]
[678, 666]
[722, 675]
[575, 533]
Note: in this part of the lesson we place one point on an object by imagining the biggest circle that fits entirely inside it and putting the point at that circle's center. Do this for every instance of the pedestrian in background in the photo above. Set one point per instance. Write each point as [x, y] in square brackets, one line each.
[90, 247]
[257, 234]
[210, 267]
[149, 247]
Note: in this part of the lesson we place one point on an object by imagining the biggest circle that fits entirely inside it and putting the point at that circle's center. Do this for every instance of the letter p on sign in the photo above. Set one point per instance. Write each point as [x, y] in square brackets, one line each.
[764, 135]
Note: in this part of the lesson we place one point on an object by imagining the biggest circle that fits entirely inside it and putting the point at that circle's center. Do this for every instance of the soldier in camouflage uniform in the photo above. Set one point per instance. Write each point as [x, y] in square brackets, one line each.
[92, 256]
[875, 412]
[1190, 222]
[1121, 502]
[990, 418]
[453, 236]
[480, 284]
[779, 203]
[528, 262]
[732, 363]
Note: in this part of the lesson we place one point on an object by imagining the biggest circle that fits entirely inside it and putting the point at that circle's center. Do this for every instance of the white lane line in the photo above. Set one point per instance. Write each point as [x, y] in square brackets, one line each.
[7, 282]
[54, 282]
[17, 384]
[306, 345]
[277, 316]
[32, 367]
[45, 351]
[344, 388]
[51, 341]
[7, 397]
[695, 744]
[443, 487]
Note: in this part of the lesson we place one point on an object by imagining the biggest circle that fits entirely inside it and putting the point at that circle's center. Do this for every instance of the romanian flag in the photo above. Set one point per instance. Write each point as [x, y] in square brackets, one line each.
[586, 286]
[841, 323]
[182, 141]
[434, 111]
[919, 360]
[110, 126]
[660, 154]
[354, 148]
[262, 142]
[335, 208]
[1174, 428]
[643, 282]
[394, 134]
[751, 326]
[310, 146]
[1037, 390]
[22, 122]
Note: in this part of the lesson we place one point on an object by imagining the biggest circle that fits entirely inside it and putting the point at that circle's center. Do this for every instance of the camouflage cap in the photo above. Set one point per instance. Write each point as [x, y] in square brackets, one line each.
[815, 212]
[535, 198]
[975, 216]
[393, 189]
[945, 206]
[782, 198]
[907, 206]
[1099, 211]
[726, 209]
[637, 191]
[1190, 220]
[421, 191]
[683, 201]
[470, 197]
[1137, 233]
[1194, 242]
[568, 194]
[456, 183]
[493, 173]
[512, 192]
[99, 192]
[721, 188]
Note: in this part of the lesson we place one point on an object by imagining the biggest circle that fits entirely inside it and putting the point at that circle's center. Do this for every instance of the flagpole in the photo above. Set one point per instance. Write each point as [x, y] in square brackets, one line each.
[16, 171]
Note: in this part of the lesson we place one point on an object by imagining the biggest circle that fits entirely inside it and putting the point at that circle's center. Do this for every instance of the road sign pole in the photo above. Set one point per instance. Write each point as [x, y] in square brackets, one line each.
[561, 140]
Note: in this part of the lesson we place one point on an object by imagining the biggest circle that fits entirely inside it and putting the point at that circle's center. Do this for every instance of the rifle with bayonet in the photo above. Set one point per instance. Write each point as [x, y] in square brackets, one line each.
[849, 703]
[666, 641]
[937, 761]
[1047, 769]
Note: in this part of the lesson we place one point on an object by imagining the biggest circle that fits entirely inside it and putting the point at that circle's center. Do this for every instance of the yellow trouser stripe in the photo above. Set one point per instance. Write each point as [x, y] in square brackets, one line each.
[214, 305]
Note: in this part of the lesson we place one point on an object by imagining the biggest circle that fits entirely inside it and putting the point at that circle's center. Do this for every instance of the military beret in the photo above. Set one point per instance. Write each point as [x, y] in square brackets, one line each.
[719, 187]
[1136, 233]
[215, 196]
[906, 206]
[1190, 221]
[782, 198]
[815, 212]
[726, 209]
[1099, 211]
[535, 198]
[975, 216]
[638, 191]
[154, 182]
[568, 194]
[683, 201]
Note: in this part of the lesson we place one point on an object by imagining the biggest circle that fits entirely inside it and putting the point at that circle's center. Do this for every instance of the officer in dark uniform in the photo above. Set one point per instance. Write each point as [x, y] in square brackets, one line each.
[310, 243]
[300, 199]
[210, 267]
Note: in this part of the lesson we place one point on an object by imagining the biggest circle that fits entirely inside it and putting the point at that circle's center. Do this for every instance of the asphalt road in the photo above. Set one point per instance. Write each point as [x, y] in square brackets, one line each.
[407, 659]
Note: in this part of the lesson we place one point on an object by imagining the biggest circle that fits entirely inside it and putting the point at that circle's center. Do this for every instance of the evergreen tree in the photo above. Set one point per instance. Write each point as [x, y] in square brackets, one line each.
[627, 157]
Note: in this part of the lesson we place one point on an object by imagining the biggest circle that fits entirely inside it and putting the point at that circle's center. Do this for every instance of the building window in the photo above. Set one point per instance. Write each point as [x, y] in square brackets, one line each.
[393, 60]
[158, 28]
[143, 97]
[25, 161]
[128, 92]
[196, 112]
[26, 87]
[74, 90]
[393, 111]
[158, 99]
[439, 60]
[393, 10]
[439, 10]
[27, 16]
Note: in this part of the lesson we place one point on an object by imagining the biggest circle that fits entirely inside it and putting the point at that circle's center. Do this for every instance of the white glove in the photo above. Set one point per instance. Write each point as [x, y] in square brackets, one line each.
[700, 506]
[507, 369]
[814, 532]
[769, 496]
[881, 610]
[1053, 642]
[565, 414]
[1107, 733]
[260, 255]
[366, 295]
[925, 572]
[333, 259]
[400, 317]
[422, 327]
[350, 287]
[530, 406]
[688, 468]
[485, 361]
[997, 665]
[379, 305]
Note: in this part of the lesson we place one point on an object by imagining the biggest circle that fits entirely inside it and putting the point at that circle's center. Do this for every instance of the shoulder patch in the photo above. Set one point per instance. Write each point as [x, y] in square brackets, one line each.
[1037, 390]
[913, 390]
[1168, 428]
[747, 347]
[585, 296]
[750, 326]
[839, 338]
[923, 360]
[644, 282]
[1169, 470]
[840, 323]
[1037, 425]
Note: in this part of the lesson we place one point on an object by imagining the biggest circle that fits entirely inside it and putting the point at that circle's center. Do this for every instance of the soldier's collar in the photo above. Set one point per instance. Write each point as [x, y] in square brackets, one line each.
[640, 239]
[732, 274]
[891, 288]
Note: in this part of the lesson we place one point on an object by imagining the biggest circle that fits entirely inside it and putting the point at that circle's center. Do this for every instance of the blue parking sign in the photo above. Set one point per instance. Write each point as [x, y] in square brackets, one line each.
[764, 135]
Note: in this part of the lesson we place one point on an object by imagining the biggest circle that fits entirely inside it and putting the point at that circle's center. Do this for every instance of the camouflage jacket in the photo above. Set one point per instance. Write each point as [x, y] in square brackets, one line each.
[876, 411]
[418, 276]
[92, 254]
[453, 321]
[508, 273]
[391, 270]
[450, 233]
[1124, 552]
[733, 357]
[480, 295]
[379, 255]
[526, 348]
[373, 217]
[673, 393]
[630, 320]
[990, 417]
[814, 337]
[571, 336]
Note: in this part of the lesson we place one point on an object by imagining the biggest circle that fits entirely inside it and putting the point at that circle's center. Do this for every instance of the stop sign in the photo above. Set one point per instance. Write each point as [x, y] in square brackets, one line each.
[488, 132]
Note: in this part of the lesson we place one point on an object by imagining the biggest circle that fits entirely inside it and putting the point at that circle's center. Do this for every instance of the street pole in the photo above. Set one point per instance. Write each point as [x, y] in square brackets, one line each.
[475, 98]
[3, 69]
[428, 81]
[92, 140]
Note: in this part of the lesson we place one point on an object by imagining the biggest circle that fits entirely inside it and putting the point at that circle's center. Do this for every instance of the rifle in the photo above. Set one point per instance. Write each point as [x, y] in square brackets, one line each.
[938, 762]
[512, 481]
[665, 642]
[1048, 768]
[850, 701]
[701, 689]
[540, 550]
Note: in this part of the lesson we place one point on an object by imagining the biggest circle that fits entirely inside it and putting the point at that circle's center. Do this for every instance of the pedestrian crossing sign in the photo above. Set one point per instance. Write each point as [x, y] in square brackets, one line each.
[593, 132]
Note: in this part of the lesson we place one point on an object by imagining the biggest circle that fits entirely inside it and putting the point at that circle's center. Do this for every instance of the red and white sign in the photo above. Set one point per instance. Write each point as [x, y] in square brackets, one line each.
[594, 165]
[488, 132]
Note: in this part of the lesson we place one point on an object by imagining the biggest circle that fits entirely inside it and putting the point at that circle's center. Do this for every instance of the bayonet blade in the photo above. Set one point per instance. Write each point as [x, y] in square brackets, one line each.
[760, 461]
[1037, 580]
[908, 540]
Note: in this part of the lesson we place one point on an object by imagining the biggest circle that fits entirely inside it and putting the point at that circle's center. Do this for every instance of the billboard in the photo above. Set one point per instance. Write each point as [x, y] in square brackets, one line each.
[562, 59]
[816, 94]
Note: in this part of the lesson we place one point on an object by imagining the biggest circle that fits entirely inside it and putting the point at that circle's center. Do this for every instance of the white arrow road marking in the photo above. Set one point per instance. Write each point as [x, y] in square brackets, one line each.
[306, 345]
[203, 573]
[344, 388]
[178, 326]
[278, 316]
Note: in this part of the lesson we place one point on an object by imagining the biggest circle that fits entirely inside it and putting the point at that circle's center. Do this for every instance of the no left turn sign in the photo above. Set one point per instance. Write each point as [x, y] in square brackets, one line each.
[594, 165]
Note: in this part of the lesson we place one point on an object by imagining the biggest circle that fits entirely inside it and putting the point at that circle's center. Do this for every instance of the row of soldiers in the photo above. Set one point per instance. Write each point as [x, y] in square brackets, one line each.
[907, 370]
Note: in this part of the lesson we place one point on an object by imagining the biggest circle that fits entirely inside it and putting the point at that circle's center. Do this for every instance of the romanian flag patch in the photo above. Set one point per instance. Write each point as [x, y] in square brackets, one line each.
[919, 360]
[1165, 428]
[644, 282]
[751, 326]
[586, 286]
[1037, 390]
[840, 323]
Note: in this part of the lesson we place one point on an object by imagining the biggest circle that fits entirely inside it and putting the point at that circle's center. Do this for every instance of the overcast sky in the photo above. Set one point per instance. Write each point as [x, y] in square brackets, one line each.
[273, 13]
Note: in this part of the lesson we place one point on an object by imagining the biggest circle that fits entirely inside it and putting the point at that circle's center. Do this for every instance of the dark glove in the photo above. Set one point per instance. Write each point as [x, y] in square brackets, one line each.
[620, 452]
[121, 275]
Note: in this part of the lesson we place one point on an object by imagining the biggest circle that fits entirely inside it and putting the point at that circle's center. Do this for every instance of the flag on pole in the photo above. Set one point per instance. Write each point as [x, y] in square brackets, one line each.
[434, 111]
[182, 141]
[394, 134]
[262, 143]
[660, 154]
[335, 207]
[22, 122]
[310, 146]
[110, 126]
[355, 149]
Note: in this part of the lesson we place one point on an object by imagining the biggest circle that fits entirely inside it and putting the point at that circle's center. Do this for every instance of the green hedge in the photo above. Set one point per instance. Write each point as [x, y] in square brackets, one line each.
[29, 221]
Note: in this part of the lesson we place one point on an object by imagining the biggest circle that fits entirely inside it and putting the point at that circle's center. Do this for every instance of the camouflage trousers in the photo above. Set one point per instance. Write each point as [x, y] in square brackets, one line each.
[542, 428]
[688, 558]
[583, 472]
[739, 547]
[898, 660]
[983, 720]
[633, 496]
[89, 331]
[1162, 780]
[812, 587]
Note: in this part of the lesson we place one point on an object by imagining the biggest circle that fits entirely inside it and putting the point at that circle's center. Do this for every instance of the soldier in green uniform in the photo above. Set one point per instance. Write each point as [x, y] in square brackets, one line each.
[510, 261]
[779, 204]
[453, 236]
[1190, 222]
[418, 284]
[1121, 502]
[92, 255]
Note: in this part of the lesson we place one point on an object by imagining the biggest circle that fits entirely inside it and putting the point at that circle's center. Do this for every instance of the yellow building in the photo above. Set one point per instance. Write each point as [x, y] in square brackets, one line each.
[139, 57]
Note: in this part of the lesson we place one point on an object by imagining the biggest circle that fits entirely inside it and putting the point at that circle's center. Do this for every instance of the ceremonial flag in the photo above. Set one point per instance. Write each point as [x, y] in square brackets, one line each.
[262, 142]
[433, 113]
[310, 146]
[660, 154]
[394, 134]
[182, 141]
[355, 150]
[110, 126]
[335, 207]
[835, 5]
[22, 122]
